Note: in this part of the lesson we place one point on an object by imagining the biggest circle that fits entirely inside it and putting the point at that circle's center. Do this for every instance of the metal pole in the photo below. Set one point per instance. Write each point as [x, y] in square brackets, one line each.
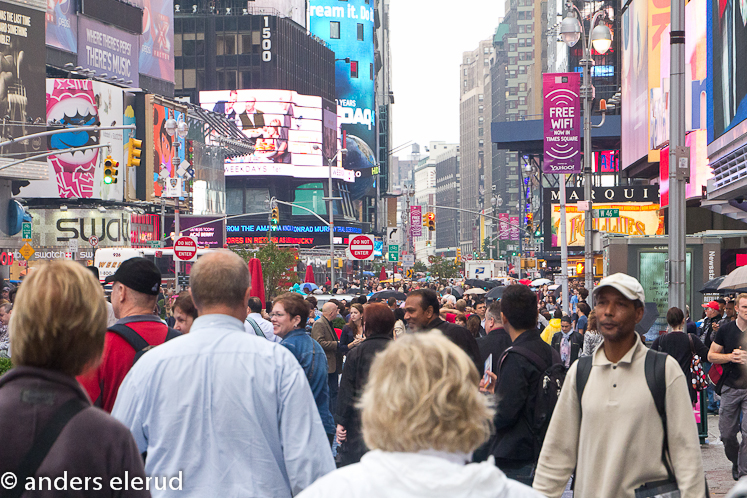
[163, 221]
[677, 230]
[331, 233]
[71, 129]
[177, 232]
[563, 246]
[586, 92]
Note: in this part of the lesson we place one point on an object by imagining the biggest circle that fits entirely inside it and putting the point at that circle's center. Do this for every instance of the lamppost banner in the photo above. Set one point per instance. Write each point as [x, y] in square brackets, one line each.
[562, 123]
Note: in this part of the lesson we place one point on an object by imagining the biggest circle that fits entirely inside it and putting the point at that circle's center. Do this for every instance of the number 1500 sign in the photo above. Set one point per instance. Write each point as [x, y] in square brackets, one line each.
[266, 41]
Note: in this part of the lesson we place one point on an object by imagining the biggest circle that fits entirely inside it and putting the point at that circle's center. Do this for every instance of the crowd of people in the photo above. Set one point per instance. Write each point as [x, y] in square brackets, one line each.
[442, 393]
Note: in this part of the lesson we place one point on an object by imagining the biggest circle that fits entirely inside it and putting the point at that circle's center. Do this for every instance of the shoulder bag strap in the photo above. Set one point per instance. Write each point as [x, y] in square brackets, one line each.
[533, 358]
[32, 460]
[255, 326]
[172, 334]
[128, 334]
[692, 345]
[583, 370]
[655, 369]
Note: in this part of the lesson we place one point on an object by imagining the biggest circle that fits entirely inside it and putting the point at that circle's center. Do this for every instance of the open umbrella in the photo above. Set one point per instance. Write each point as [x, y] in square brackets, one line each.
[368, 274]
[383, 275]
[541, 281]
[386, 294]
[482, 284]
[735, 280]
[309, 275]
[650, 314]
[309, 287]
[457, 291]
[258, 283]
[711, 287]
[524, 281]
[495, 293]
[475, 291]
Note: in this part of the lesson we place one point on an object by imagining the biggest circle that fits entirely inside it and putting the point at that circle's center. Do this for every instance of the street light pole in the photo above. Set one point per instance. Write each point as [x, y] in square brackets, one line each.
[677, 153]
[331, 199]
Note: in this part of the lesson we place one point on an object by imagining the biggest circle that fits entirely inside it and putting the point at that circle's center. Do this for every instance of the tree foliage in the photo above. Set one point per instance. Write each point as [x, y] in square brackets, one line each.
[443, 267]
[278, 265]
[419, 266]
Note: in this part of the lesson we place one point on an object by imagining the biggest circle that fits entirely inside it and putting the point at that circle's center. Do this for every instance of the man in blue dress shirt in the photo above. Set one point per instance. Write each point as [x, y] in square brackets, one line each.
[232, 411]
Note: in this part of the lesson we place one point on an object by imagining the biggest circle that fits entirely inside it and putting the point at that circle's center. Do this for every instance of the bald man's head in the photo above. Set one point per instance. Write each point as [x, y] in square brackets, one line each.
[329, 310]
[219, 278]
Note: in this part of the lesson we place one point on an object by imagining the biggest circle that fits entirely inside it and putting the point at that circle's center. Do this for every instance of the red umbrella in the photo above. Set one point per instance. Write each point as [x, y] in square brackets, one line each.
[258, 283]
[309, 275]
[383, 275]
[525, 281]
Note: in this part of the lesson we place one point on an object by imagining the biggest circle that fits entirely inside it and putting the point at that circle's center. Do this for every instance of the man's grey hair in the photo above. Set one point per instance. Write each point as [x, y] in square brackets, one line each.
[494, 311]
[220, 277]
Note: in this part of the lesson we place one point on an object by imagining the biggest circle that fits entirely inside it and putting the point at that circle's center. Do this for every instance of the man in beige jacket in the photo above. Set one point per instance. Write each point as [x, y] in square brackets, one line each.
[324, 333]
[616, 445]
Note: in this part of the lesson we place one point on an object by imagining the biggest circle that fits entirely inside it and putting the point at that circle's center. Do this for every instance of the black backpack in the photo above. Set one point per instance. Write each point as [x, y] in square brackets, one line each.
[548, 390]
[140, 345]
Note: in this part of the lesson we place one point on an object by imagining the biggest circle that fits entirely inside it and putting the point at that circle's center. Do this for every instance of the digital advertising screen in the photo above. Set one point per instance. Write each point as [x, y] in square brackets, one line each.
[62, 25]
[348, 29]
[156, 42]
[634, 83]
[293, 134]
[168, 152]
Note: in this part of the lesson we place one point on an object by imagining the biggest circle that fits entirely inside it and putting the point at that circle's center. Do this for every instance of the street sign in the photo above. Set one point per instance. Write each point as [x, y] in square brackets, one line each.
[184, 280]
[72, 246]
[408, 259]
[93, 240]
[608, 213]
[467, 257]
[26, 230]
[185, 249]
[409, 273]
[392, 235]
[361, 248]
[155, 244]
[27, 251]
[393, 257]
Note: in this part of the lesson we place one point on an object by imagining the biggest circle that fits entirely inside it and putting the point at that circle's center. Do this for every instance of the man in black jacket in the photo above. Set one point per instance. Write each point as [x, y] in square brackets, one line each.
[515, 447]
[421, 315]
[497, 340]
[567, 343]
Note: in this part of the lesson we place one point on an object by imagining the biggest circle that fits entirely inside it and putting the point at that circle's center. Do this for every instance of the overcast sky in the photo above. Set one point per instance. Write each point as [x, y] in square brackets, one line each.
[427, 41]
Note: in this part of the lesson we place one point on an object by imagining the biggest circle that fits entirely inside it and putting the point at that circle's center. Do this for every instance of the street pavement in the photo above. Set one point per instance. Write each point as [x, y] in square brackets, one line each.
[717, 467]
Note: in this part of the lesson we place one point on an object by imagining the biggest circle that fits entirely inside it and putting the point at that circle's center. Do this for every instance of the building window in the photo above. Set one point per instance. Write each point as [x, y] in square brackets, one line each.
[311, 196]
[480, 97]
[334, 30]
[522, 70]
[226, 44]
[486, 62]
[481, 142]
[481, 120]
[465, 71]
[512, 47]
[522, 87]
[521, 42]
[353, 69]
[513, 91]
[480, 132]
[360, 32]
[512, 61]
[521, 28]
[481, 108]
[522, 100]
[465, 83]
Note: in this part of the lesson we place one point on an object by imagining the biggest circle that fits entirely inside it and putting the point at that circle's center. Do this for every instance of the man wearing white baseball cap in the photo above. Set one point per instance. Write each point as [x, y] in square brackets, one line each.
[617, 410]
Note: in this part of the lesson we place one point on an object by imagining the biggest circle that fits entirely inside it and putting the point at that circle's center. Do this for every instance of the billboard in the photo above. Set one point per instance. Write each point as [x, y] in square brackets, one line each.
[54, 228]
[81, 174]
[638, 213]
[634, 83]
[107, 50]
[167, 151]
[349, 31]
[209, 233]
[22, 74]
[562, 123]
[156, 42]
[303, 235]
[700, 171]
[61, 23]
[293, 134]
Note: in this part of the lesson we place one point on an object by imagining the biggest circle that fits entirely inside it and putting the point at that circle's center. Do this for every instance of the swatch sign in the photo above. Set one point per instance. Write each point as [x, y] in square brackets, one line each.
[562, 123]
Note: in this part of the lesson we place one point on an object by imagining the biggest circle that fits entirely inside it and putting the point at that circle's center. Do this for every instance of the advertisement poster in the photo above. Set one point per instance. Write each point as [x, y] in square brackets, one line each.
[700, 172]
[54, 228]
[562, 123]
[348, 29]
[168, 152]
[503, 224]
[81, 174]
[61, 24]
[156, 46]
[513, 227]
[416, 221]
[291, 133]
[635, 83]
[107, 50]
[636, 219]
[652, 270]
[22, 75]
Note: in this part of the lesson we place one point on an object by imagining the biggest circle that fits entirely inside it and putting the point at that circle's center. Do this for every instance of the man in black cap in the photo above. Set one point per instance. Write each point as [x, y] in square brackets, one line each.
[136, 284]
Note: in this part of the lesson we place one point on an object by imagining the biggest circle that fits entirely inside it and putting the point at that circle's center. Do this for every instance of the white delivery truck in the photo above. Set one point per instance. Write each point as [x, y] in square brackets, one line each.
[485, 269]
[108, 259]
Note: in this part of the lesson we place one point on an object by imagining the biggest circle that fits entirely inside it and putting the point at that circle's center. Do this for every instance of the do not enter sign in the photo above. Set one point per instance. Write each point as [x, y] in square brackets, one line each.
[185, 249]
[361, 247]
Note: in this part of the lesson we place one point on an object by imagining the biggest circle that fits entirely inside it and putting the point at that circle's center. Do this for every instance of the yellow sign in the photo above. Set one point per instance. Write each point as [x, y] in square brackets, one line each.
[636, 218]
[409, 273]
[27, 251]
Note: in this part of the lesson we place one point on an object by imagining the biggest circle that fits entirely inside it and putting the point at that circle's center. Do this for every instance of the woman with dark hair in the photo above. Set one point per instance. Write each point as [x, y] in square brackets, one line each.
[352, 332]
[473, 325]
[681, 346]
[378, 323]
[288, 317]
[592, 338]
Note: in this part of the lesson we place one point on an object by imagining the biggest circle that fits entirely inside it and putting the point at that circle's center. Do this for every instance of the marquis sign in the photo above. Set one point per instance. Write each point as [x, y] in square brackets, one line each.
[562, 123]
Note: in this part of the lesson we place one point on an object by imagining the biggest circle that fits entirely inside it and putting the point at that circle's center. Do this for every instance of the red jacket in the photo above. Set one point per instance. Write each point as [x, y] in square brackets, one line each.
[102, 382]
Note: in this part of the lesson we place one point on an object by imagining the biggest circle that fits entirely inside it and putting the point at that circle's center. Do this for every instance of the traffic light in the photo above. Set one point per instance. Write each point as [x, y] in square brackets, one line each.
[275, 217]
[431, 218]
[579, 268]
[133, 154]
[110, 170]
[425, 219]
[459, 254]
[530, 221]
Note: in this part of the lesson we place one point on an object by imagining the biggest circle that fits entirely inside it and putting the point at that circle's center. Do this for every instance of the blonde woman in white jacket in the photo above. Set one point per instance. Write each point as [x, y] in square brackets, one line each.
[421, 439]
